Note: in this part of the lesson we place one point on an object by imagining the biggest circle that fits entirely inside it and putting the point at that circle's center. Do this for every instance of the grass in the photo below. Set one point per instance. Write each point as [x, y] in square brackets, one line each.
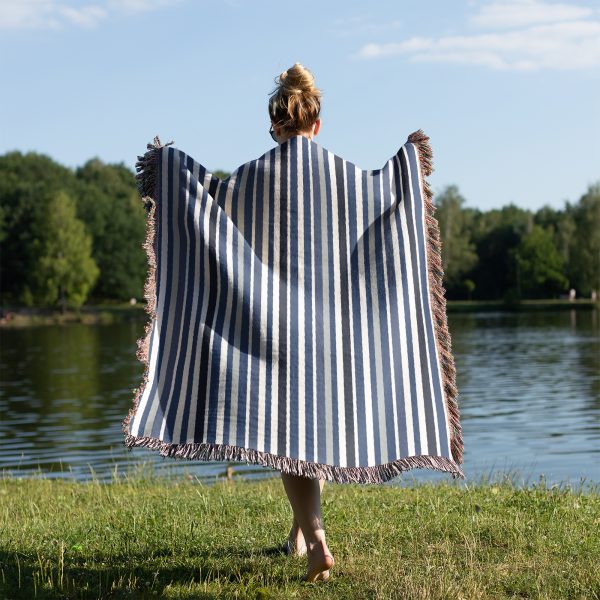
[92, 314]
[116, 312]
[522, 306]
[151, 537]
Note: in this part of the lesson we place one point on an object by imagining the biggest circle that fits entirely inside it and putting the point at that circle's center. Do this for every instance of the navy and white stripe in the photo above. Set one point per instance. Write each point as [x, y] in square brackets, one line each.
[293, 310]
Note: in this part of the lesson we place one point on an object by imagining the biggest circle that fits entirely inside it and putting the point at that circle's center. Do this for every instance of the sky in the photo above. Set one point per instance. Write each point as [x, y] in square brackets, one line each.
[507, 90]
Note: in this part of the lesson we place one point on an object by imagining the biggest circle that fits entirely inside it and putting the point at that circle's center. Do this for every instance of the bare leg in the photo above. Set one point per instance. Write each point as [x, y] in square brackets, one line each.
[296, 542]
[305, 497]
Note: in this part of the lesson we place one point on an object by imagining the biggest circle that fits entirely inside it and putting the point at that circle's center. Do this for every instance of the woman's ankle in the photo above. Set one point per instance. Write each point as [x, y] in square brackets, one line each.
[317, 541]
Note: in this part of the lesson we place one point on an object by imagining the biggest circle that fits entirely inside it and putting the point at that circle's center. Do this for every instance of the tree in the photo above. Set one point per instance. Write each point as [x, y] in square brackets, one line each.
[111, 208]
[562, 226]
[584, 252]
[221, 174]
[65, 269]
[497, 233]
[540, 265]
[26, 183]
[469, 286]
[458, 251]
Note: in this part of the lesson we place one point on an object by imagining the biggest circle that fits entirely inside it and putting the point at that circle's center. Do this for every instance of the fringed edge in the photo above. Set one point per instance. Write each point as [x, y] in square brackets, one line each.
[147, 175]
[438, 299]
[147, 181]
[295, 466]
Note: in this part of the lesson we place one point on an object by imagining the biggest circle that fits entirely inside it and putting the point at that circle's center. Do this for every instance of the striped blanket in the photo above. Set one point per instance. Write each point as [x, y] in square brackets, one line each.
[297, 315]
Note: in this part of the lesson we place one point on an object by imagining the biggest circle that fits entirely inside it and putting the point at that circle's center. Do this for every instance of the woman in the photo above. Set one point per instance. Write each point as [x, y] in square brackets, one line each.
[294, 109]
[308, 334]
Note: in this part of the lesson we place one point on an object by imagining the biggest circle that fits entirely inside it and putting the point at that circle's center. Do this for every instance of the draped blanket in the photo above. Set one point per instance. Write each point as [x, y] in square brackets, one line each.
[297, 315]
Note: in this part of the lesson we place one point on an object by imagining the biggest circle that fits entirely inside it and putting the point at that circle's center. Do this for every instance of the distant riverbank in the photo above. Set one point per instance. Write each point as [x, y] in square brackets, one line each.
[112, 313]
[92, 314]
[523, 305]
[184, 539]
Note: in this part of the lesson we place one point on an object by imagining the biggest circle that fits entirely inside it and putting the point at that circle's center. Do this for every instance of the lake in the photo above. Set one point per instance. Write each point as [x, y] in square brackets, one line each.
[529, 396]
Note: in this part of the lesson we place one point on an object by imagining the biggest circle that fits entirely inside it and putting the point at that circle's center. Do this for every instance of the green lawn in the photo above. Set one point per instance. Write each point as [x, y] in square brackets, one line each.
[147, 537]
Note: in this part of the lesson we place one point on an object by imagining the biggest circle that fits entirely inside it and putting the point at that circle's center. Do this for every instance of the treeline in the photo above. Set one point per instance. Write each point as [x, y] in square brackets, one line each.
[512, 253]
[73, 236]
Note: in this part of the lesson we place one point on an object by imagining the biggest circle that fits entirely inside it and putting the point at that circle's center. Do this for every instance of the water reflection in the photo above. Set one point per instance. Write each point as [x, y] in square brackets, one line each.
[529, 388]
[530, 392]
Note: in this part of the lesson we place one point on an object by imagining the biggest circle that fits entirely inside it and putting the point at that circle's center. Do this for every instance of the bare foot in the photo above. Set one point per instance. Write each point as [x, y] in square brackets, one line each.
[320, 561]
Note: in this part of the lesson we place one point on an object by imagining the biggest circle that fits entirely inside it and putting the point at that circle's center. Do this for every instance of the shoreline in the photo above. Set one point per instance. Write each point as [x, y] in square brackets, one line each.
[102, 314]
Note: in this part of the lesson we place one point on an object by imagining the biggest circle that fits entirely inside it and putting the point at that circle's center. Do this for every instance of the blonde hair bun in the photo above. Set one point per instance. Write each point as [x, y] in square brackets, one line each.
[295, 104]
[298, 80]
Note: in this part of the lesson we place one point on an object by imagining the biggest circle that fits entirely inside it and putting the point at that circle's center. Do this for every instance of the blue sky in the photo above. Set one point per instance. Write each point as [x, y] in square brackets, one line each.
[507, 90]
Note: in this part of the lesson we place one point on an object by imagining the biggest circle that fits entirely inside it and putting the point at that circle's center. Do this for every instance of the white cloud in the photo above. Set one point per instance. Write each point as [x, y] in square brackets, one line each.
[138, 5]
[47, 14]
[519, 13]
[86, 16]
[55, 14]
[556, 39]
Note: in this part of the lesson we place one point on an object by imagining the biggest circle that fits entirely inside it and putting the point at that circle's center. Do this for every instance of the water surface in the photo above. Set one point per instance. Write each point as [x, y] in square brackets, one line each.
[529, 396]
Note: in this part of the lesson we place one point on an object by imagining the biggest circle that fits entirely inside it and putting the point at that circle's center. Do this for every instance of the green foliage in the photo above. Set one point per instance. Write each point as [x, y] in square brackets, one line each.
[27, 182]
[106, 201]
[221, 174]
[111, 208]
[495, 234]
[519, 253]
[584, 249]
[540, 266]
[65, 269]
[563, 228]
[469, 286]
[458, 250]
[508, 253]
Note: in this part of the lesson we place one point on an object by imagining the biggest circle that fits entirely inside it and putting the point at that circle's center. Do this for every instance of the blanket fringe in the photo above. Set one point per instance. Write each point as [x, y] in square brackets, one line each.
[437, 291]
[295, 466]
[147, 181]
[147, 176]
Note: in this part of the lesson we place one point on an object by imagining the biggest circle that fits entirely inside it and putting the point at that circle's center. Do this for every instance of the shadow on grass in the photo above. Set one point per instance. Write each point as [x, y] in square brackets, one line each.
[135, 575]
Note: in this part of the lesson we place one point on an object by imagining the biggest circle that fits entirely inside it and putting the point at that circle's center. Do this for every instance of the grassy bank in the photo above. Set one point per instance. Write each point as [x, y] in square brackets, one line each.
[111, 313]
[523, 305]
[89, 314]
[150, 537]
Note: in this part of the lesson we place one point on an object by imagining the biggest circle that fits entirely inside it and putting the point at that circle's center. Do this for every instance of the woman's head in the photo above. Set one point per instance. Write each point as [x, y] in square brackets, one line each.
[295, 104]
